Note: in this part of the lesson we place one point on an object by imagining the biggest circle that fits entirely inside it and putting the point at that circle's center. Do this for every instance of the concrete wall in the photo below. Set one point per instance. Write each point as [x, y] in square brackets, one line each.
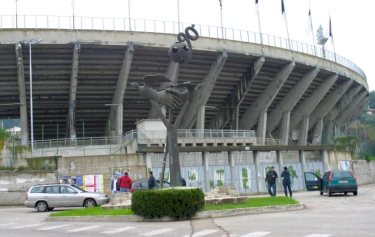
[103, 165]
[364, 171]
[15, 184]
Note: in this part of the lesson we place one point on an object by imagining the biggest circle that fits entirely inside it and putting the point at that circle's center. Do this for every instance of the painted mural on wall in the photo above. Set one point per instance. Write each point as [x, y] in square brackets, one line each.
[344, 165]
[90, 183]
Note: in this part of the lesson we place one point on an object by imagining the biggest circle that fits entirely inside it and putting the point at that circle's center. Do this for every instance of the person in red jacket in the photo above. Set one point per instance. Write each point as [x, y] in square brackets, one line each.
[125, 183]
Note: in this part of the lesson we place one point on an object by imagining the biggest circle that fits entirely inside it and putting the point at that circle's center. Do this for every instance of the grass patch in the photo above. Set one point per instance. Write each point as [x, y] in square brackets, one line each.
[94, 211]
[254, 202]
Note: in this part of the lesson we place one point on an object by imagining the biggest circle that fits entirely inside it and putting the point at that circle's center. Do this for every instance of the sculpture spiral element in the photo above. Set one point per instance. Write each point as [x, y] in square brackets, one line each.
[180, 52]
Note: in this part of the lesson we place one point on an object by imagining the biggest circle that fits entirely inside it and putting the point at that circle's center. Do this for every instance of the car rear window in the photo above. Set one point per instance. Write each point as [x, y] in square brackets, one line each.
[37, 190]
[342, 174]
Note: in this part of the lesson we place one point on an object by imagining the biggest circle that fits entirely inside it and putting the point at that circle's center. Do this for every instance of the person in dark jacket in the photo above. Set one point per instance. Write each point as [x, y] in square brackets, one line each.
[271, 177]
[183, 182]
[285, 176]
[151, 180]
[115, 186]
[125, 183]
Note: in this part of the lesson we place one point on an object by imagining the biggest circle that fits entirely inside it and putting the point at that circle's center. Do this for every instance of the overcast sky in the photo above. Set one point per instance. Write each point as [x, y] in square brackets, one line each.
[352, 21]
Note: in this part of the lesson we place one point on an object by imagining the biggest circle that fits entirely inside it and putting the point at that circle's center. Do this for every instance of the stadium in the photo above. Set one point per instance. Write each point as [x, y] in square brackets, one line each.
[287, 95]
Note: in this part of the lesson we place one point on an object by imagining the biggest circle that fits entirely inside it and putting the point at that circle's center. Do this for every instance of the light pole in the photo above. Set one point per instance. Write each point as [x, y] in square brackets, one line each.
[73, 3]
[30, 42]
[16, 16]
[130, 26]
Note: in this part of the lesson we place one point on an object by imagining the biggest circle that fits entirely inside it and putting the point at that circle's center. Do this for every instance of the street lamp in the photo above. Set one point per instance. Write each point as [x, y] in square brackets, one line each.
[30, 42]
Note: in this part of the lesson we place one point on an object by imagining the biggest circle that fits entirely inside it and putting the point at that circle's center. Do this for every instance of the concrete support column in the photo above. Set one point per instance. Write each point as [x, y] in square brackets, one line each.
[302, 139]
[324, 155]
[71, 128]
[302, 159]
[148, 161]
[317, 138]
[200, 119]
[22, 96]
[284, 129]
[206, 171]
[280, 161]
[261, 130]
[329, 130]
[232, 168]
[257, 171]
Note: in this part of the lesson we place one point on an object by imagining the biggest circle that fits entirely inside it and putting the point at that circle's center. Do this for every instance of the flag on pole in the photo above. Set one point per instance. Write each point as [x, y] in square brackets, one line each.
[309, 27]
[257, 5]
[330, 28]
[221, 4]
[282, 7]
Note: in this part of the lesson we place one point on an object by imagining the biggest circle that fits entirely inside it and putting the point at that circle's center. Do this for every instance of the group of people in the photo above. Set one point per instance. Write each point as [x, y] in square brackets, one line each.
[271, 177]
[123, 184]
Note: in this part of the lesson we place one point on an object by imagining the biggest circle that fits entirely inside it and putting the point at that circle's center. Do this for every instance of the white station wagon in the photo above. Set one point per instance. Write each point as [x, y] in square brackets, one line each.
[45, 197]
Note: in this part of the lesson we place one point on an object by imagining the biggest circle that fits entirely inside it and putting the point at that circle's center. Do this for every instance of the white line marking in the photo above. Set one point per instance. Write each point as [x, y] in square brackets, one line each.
[84, 228]
[53, 227]
[201, 233]
[317, 235]
[118, 230]
[7, 224]
[25, 226]
[156, 232]
[255, 234]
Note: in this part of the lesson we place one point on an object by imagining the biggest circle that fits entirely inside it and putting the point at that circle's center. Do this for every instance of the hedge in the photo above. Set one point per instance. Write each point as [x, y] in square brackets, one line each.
[177, 203]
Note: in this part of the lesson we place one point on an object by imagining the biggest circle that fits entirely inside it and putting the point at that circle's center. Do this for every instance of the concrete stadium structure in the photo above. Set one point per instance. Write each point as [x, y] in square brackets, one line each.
[290, 92]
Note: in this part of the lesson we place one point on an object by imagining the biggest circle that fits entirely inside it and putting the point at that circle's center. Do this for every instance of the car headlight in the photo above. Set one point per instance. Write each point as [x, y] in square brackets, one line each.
[103, 196]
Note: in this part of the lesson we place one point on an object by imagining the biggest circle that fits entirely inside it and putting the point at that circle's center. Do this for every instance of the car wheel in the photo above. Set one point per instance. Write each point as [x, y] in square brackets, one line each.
[50, 209]
[321, 192]
[355, 193]
[42, 206]
[89, 203]
[329, 193]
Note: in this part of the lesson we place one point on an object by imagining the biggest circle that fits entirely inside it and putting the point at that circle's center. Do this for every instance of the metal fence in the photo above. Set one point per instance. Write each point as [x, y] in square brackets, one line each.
[168, 27]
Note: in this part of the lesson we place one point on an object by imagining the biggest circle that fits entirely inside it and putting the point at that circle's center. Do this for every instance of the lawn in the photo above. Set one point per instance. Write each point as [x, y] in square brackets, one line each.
[253, 202]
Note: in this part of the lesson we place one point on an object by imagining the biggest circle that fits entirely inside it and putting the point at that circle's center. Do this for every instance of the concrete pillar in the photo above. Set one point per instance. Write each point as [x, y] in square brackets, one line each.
[357, 111]
[290, 100]
[149, 161]
[205, 91]
[329, 130]
[324, 155]
[280, 161]
[302, 139]
[71, 123]
[22, 95]
[257, 170]
[116, 113]
[201, 109]
[302, 159]
[232, 168]
[284, 129]
[357, 100]
[317, 138]
[206, 171]
[261, 130]
[265, 99]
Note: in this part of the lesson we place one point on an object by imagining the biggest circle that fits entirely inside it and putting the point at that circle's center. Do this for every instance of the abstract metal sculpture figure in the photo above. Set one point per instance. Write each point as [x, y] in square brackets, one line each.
[180, 52]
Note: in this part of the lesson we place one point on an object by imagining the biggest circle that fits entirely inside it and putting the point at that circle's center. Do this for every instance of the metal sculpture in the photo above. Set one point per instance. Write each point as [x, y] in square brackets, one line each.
[173, 97]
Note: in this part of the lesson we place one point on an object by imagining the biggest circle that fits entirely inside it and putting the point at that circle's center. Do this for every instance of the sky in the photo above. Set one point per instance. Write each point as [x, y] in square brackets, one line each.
[351, 20]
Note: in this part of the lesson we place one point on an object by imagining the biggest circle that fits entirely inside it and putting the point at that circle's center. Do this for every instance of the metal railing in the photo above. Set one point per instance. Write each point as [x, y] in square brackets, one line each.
[87, 141]
[168, 27]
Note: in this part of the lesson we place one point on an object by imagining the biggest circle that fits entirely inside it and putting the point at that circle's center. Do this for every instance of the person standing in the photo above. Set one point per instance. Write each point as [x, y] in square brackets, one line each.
[151, 180]
[271, 177]
[115, 187]
[285, 176]
[125, 183]
[183, 182]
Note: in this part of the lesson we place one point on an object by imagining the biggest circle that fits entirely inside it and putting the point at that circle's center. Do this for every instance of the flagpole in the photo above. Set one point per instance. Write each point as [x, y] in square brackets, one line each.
[331, 35]
[221, 16]
[260, 31]
[312, 29]
[178, 14]
[286, 21]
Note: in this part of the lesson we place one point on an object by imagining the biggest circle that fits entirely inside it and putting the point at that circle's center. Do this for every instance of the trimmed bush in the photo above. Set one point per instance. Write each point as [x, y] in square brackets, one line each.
[176, 203]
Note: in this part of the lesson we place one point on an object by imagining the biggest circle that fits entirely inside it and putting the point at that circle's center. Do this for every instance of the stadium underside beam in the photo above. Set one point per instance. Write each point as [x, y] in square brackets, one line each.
[357, 111]
[290, 100]
[265, 99]
[327, 104]
[357, 100]
[200, 100]
[309, 104]
[318, 131]
[116, 112]
[172, 74]
[230, 107]
[73, 93]
[22, 95]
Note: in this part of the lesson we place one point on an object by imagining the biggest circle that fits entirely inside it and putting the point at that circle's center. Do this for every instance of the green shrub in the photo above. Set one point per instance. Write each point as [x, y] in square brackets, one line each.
[21, 168]
[176, 203]
[6, 168]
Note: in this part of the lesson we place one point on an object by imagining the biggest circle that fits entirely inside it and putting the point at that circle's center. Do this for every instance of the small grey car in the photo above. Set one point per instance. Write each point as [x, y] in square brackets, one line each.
[45, 197]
